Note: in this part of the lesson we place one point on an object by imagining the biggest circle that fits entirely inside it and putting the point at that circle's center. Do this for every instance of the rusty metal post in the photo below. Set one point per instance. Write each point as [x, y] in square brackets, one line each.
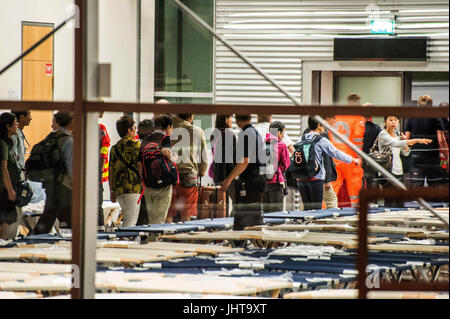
[78, 153]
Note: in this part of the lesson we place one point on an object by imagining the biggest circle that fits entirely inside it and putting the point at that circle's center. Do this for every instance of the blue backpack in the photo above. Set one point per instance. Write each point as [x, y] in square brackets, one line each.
[304, 162]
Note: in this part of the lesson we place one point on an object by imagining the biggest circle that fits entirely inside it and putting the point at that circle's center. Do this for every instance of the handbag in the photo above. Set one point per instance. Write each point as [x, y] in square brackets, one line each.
[23, 194]
[384, 159]
[188, 180]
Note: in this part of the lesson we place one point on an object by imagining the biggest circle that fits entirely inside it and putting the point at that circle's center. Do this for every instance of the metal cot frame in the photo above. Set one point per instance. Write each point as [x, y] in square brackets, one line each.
[373, 194]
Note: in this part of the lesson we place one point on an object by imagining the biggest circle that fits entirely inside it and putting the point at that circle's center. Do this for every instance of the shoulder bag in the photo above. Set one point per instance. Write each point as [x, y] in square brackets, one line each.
[382, 158]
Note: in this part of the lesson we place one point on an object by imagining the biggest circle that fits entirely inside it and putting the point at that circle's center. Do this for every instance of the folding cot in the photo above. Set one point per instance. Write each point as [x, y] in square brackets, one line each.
[165, 296]
[318, 214]
[190, 283]
[19, 295]
[384, 231]
[353, 294]
[227, 223]
[171, 228]
[61, 253]
[300, 280]
[261, 239]
[168, 246]
[54, 238]
[389, 265]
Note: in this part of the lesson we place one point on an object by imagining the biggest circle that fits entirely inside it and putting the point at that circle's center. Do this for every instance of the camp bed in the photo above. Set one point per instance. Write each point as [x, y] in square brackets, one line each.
[169, 296]
[19, 295]
[353, 294]
[411, 232]
[187, 283]
[168, 246]
[300, 280]
[103, 255]
[35, 268]
[262, 238]
[227, 223]
[171, 228]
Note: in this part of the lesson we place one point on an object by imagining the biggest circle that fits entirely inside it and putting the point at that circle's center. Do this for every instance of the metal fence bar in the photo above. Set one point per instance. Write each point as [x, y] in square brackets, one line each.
[78, 150]
[267, 109]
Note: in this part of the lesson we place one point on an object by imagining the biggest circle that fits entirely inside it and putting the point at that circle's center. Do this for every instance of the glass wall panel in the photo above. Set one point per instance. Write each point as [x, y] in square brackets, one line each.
[184, 50]
[386, 90]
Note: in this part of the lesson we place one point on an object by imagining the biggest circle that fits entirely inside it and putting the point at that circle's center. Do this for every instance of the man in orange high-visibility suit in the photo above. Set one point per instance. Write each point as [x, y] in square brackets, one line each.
[352, 127]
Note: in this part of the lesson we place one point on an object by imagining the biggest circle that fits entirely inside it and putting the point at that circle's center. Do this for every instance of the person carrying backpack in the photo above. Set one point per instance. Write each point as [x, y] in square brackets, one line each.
[158, 170]
[308, 165]
[56, 174]
[145, 128]
[251, 183]
[275, 189]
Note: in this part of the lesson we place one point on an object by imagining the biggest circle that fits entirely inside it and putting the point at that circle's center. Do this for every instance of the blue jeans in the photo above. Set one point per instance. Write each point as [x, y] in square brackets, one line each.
[311, 193]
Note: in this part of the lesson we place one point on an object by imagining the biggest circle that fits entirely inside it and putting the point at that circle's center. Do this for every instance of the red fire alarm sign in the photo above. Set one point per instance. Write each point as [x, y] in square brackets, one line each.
[48, 69]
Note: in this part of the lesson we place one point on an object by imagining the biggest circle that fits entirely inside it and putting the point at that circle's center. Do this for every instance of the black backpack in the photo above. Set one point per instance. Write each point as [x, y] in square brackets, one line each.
[158, 171]
[268, 168]
[304, 162]
[46, 160]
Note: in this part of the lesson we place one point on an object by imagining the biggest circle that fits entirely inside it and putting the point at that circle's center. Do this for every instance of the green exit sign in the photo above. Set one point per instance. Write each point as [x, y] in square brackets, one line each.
[382, 27]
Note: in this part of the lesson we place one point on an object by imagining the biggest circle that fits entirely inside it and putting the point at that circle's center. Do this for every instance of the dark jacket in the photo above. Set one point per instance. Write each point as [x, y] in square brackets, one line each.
[370, 135]
[224, 159]
[328, 163]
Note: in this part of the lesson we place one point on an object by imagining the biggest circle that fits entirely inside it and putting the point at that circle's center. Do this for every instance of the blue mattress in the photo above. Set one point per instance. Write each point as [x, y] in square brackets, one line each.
[318, 214]
[321, 213]
[227, 223]
[117, 234]
[216, 223]
[286, 264]
[162, 228]
[43, 238]
[50, 238]
[432, 204]
[337, 264]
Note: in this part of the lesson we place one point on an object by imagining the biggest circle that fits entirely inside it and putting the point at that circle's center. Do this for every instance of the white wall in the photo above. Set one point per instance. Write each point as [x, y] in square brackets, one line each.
[12, 13]
[117, 46]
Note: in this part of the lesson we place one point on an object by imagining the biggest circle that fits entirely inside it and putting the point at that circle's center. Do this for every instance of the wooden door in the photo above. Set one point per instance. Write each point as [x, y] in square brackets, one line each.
[37, 79]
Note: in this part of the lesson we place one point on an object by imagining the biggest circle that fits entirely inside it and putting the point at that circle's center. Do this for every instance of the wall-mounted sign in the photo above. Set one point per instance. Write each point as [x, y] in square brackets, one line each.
[48, 69]
[382, 27]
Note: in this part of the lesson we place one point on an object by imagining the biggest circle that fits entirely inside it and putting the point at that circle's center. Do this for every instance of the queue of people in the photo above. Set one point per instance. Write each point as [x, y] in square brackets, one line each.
[153, 173]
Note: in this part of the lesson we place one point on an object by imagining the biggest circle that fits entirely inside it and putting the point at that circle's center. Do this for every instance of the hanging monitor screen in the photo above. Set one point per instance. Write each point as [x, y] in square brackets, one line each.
[381, 49]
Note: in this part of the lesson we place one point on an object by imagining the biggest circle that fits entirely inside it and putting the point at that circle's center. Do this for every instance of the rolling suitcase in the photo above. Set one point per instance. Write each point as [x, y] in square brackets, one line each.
[211, 202]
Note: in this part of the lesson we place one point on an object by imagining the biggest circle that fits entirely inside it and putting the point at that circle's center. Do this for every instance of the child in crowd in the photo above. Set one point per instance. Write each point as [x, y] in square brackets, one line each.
[274, 191]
